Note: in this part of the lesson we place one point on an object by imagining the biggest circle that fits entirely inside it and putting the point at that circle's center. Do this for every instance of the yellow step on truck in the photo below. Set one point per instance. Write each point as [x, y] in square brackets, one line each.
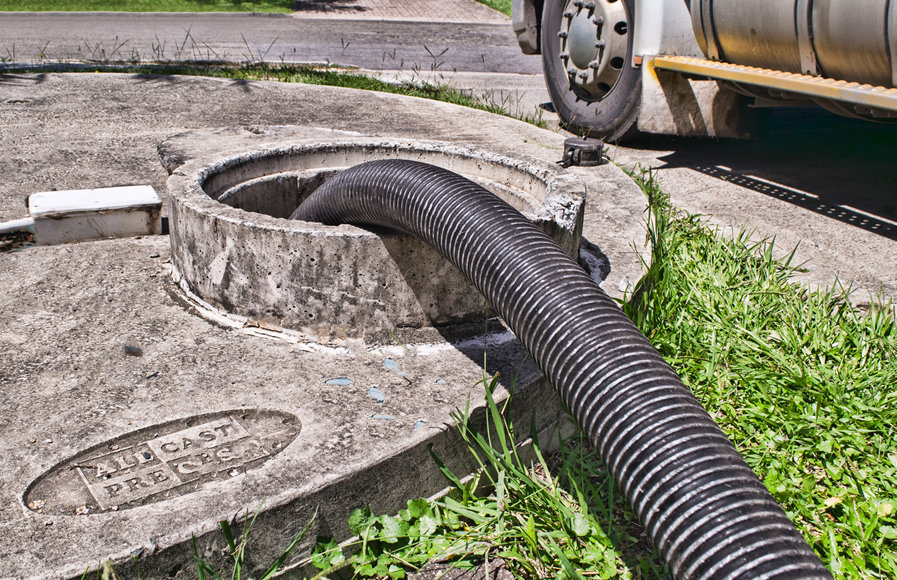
[709, 67]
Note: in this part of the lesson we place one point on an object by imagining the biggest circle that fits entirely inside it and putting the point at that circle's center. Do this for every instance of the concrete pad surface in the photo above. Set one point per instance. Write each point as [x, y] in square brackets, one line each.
[521, 95]
[98, 344]
[131, 422]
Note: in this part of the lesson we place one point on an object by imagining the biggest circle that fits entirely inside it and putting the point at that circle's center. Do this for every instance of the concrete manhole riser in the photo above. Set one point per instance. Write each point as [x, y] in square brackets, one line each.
[233, 246]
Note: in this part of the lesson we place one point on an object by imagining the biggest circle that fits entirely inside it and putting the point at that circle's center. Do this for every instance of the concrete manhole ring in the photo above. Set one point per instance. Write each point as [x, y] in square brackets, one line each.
[234, 248]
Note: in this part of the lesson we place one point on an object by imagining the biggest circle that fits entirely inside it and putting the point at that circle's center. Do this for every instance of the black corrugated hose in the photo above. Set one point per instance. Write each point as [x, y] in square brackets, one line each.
[704, 509]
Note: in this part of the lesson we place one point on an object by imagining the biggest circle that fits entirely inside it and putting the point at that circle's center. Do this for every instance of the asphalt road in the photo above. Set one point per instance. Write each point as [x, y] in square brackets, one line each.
[32, 38]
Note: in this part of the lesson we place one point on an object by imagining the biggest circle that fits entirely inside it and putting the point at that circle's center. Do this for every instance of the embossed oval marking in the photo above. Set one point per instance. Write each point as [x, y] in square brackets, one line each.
[163, 461]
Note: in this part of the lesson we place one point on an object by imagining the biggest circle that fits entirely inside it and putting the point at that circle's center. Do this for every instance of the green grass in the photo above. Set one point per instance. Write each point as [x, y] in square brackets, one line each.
[424, 89]
[547, 520]
[148, 5]
[237, 547]
[503, 6]
[800, 380]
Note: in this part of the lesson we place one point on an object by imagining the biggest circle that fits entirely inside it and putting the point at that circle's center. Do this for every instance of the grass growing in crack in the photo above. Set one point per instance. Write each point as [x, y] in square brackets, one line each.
[427, 90]
[237, 547]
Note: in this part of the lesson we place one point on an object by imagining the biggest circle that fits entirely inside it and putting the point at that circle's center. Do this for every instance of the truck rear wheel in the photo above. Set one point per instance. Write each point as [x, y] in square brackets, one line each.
[587, 59]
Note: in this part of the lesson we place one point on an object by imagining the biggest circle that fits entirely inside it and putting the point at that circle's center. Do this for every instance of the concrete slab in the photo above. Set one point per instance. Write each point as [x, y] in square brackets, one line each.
[131, 422]
[101, 354]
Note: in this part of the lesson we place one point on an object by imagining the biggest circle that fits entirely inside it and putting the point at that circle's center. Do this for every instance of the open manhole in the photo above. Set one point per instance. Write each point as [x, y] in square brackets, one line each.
[233, 246]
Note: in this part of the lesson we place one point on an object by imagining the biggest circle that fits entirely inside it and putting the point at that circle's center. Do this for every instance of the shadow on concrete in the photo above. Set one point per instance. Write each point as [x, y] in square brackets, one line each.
[22, 79]
[334, 6]
[838, 167]
[173, 79]
[244, 84]
[159, 78]
[842, 213]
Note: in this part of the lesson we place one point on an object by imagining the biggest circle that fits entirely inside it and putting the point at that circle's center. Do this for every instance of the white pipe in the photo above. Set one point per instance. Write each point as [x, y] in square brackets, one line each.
[16, 225]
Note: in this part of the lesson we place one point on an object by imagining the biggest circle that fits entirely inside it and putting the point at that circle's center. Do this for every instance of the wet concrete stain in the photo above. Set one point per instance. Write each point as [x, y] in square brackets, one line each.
[377, 394]
[339, 382]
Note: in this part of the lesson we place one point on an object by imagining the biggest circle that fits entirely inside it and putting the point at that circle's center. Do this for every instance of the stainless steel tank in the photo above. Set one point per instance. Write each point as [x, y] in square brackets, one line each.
[853, 40]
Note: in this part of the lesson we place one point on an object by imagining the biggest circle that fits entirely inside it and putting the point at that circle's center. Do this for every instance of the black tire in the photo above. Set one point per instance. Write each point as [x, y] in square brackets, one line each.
[611, 116]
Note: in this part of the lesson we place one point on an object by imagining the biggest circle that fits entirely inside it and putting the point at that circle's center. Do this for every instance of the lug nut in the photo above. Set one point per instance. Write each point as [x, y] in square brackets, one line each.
[577, 3]
[568, 14]
[562, 34]
[594, 64]
[583, 75]
[597, 20]
[564, 55]
[589, 5]
[600, 44]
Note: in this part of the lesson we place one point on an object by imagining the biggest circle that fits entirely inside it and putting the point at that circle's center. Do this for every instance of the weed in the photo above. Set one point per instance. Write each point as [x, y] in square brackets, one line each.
[238, 550]
[503, 6]
[104, 572]
[539, 519]
[251, 58]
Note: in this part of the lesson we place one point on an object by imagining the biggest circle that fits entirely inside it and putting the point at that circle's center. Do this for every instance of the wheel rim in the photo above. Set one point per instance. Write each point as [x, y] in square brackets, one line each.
[594, 39]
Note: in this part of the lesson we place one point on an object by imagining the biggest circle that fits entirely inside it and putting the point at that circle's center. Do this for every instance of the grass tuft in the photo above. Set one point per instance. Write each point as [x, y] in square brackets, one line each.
[503, 6]
[549, 518]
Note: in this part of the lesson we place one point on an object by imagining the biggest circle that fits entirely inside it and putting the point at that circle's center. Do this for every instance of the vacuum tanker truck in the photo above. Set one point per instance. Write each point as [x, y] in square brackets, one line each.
[709, 67]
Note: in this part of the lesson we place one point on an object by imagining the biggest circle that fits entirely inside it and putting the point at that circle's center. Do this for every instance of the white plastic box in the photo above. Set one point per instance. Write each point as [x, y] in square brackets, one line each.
[91, 214]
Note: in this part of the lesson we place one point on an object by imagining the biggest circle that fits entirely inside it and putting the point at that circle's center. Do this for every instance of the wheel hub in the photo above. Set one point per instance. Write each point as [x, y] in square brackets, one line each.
[594, 37]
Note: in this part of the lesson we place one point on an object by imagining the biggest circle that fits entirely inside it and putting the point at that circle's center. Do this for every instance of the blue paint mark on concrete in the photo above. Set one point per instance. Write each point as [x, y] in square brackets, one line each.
[420, 424]
[440, 382]
[383, 417]
[339, 382]
[391, 365]
[376, 394]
